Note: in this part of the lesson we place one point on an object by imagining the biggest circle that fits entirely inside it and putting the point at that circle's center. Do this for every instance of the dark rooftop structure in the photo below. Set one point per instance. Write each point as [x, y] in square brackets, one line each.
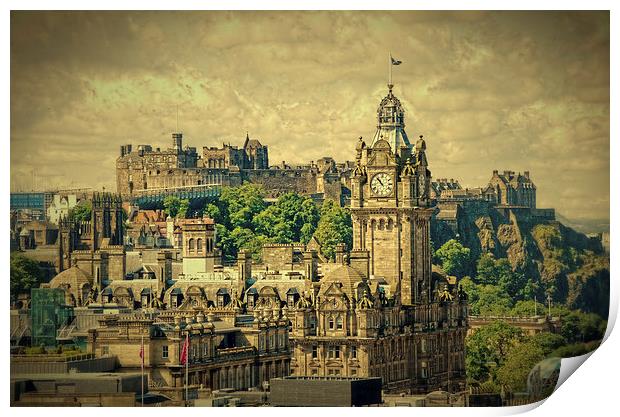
[324, 391]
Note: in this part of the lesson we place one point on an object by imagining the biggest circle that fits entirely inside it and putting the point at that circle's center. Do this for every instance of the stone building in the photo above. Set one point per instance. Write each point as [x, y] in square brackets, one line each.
[513, 189]
[145, 170]
[134, 168]
[241, 352]
[93, 247]
[387, 314]
[37, 233]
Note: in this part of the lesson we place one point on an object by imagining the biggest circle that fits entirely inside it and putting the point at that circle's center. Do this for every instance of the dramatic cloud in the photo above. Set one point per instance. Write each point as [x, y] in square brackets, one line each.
[501, 90]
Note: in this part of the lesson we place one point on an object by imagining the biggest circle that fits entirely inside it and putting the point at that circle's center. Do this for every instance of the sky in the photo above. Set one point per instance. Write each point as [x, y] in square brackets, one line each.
[520, 91]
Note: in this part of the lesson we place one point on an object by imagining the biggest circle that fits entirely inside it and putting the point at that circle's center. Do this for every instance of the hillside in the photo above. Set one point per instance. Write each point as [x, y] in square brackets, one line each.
[563, 262]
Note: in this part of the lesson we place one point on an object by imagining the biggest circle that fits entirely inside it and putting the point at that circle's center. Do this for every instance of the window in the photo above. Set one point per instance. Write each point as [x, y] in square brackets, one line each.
[333, 352]
[353, 352]
[423, 345]
[164, 352]
[331, 323]
[312, 322]
[205, 350]
[191, 244]
[199, 245]
[353, 372]
[315, 352]
[105, 350]
[315, 372]
[339, 323]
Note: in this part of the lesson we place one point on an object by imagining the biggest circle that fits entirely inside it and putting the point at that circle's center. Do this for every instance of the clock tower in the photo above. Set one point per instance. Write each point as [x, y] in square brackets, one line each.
[391, 208]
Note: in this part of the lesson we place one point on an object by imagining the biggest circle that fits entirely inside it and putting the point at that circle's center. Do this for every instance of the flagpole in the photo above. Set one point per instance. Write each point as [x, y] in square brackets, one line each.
[142, 369]
[390, 68]
[187, 369]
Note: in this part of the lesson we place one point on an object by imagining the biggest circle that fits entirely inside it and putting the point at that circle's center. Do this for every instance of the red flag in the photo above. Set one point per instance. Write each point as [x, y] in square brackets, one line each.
[142, 349]
[185, 350]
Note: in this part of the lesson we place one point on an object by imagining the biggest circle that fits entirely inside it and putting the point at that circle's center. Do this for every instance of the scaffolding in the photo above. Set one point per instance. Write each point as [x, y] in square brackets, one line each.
[49, 314]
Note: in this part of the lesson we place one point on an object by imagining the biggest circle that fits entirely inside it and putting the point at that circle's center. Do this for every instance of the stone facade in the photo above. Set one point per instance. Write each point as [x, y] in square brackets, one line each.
[387, 314]
[146, 171]
[95, 247]
[513, 189]
[234, 353]
[199, 251]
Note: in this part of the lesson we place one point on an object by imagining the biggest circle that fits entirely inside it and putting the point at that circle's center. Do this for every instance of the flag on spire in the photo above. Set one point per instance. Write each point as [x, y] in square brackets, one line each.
[184, 350]
[395, 61]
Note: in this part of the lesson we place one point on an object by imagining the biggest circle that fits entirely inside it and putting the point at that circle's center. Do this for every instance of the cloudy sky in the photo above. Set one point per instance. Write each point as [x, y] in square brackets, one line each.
[501, 90]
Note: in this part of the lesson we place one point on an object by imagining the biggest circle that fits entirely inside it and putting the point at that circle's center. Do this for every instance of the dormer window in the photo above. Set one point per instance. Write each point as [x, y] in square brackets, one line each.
[331, 323]
[222, 297]
[339, 323]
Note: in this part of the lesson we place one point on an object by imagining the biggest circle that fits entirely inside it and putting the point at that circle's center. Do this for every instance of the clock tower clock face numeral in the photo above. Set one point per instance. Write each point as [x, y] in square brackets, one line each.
[382, 184]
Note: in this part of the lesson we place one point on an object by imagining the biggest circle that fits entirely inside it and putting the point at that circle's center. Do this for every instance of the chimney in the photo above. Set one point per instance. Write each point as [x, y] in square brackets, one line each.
[526, 174]
[495, 172]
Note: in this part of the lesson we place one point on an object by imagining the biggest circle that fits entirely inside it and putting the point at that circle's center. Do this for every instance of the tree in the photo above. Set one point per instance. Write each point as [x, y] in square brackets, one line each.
[485, 270]
[334, 227]
[527, 308]
[172, 206]
[82, 211]
[284, 221]
[582, 327]
[25, 274]
[213, 211]
[548, 342]
[183, 208]
[492, 301]
[239, 205]
[499, 272]
[488, 347]
[471, 289]
[175, 207]
[517, 365]
[454, 258]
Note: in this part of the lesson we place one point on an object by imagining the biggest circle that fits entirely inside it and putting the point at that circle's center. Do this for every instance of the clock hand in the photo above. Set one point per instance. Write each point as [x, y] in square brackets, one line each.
[380, 182]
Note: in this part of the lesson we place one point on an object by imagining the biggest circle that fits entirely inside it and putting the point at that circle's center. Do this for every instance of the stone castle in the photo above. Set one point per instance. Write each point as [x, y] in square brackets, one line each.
[145, 170]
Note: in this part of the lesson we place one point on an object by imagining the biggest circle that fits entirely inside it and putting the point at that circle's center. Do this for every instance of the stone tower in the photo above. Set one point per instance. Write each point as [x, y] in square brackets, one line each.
[391, 124]
[66, 243]
[106, 220]
[390, 206]
[199, 252]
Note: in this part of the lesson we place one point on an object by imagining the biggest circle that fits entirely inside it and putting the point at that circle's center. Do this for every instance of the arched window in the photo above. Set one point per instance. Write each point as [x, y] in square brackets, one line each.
[199, 245]
[339, 323]
[331, 323]
[191, 244]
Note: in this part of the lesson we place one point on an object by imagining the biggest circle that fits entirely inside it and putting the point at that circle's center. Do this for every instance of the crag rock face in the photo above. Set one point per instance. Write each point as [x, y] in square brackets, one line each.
[569, 265]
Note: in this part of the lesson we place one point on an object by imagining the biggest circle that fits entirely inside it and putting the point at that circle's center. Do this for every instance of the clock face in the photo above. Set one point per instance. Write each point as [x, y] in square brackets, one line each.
[382, 184]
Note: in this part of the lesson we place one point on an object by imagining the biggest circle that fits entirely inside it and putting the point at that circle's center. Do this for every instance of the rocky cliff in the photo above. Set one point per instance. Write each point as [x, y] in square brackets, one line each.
[570, 266]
